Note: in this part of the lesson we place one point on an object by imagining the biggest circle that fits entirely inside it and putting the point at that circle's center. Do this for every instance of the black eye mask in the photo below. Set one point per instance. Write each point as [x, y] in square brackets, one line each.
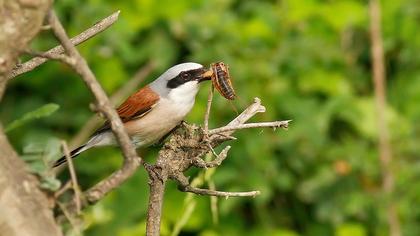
[185, 76]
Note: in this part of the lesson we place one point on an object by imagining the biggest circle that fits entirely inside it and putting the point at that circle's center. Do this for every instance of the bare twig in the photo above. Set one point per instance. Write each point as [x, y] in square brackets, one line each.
[208, 192]
[208, 108]
[185, 186]
[70, 218]
[379, 80]
[60, 57]
[73, 177]
[85, 35]
[247, 114]
[274, 124]
[198, 162]
[131, 160]
[63, 189]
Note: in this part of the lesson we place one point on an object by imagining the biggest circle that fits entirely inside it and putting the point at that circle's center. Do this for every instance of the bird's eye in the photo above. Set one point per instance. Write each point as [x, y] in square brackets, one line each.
[185, 75]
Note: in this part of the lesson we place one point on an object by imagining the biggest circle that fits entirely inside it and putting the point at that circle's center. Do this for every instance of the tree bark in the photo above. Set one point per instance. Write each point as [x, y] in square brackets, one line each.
[154, 211]
[24, 209]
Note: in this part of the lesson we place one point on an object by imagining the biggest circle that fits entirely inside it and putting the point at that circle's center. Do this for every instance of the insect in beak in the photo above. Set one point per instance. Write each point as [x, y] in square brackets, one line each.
[206, 75]
[221, 80]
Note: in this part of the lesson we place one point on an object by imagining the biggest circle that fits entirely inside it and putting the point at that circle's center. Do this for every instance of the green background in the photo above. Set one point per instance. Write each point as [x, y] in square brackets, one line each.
[308, 61]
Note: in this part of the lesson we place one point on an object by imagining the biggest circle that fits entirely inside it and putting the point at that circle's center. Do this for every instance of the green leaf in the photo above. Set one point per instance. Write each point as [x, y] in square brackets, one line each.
[37, 167]
[50, 183]
[43, 111]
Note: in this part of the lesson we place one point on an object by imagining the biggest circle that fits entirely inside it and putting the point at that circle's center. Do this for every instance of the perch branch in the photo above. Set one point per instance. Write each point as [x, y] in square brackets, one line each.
[131, 160]
[85, 35]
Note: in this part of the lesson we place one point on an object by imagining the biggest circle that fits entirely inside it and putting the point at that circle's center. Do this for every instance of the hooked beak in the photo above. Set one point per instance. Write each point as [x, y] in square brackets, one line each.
[206, 75]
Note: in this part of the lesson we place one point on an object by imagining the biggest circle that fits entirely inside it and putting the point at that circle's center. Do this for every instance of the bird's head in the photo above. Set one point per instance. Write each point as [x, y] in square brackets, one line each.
[181, 82]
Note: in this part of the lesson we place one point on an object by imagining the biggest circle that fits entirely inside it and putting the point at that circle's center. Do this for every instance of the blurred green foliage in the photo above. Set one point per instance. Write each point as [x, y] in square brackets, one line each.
[308, 60]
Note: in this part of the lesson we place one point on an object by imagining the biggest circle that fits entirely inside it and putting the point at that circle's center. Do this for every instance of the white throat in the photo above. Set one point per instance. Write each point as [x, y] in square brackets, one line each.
[185, 93]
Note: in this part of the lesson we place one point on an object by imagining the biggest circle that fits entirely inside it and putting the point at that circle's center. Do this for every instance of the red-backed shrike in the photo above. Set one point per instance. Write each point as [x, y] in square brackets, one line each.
[154, 110]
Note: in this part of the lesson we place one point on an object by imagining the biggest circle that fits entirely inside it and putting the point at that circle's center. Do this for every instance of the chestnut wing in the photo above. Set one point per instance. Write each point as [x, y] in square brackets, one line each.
[136, 106]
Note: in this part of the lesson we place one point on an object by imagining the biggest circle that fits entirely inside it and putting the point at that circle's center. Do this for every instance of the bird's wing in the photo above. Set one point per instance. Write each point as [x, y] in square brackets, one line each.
[136, 106]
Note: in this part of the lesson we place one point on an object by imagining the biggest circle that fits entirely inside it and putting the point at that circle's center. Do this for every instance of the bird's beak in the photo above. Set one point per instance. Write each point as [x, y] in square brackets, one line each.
[206, 75]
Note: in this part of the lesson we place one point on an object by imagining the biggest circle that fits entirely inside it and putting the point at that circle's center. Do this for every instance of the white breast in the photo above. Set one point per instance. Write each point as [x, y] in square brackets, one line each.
[165, 116]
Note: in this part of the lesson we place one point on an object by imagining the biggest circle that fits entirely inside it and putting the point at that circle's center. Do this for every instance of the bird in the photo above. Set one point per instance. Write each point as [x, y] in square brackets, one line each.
[154, 110]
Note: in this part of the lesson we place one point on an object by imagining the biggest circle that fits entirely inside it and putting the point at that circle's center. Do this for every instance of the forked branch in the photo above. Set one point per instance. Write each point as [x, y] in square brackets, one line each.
[186, 148]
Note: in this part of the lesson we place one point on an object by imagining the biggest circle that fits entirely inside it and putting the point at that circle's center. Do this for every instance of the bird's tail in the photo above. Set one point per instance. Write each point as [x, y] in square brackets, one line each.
[73, 154]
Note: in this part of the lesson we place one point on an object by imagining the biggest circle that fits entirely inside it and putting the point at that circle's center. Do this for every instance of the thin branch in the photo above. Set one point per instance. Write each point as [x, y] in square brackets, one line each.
[208, 192]
[131, 160]
[208, 108]
[200, 163]
[274, 124]
[73, 176]
[70, 218]
[247, 114]
[59, 57]
[384, 146]
[80, 38]
[185, 186]
[63, 189]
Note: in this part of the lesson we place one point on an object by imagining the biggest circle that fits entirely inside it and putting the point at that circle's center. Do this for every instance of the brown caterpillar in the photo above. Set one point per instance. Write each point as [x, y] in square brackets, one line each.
[221, 80]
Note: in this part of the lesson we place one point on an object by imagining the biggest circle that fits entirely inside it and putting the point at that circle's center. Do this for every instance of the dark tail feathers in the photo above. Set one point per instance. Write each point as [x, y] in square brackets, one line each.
[73, 154]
